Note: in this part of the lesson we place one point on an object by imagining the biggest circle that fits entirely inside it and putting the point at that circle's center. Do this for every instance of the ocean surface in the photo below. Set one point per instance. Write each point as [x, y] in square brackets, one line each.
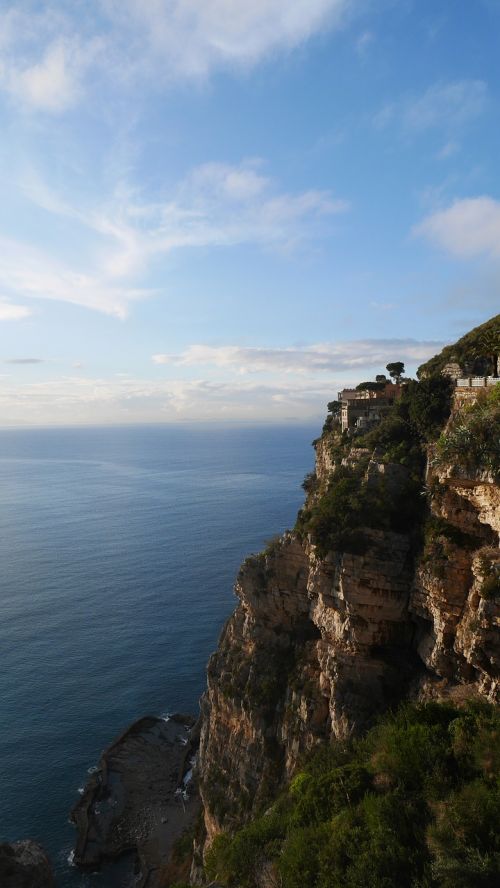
[119, 548]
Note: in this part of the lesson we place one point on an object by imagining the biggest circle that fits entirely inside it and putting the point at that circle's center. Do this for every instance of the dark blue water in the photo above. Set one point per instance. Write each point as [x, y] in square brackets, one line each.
[118, 551]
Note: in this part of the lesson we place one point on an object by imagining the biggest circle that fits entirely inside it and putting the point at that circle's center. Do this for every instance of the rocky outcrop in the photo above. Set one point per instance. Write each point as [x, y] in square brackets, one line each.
[24, 865]
[319, 644]
[458, 638]
[315, 647]
[141, 797]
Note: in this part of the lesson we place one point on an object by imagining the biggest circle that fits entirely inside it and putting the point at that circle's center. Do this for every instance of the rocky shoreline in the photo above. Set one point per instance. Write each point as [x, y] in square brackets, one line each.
[142, 797]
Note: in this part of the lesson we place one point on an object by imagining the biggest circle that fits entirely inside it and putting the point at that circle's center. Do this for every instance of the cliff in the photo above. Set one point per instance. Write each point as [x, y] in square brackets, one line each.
[25, 865]
[387, 589]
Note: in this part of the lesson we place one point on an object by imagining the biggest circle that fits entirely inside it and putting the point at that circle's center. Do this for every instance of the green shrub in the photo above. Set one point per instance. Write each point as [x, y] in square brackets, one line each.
[414, 804]
[489, 570]
[465, 840]
[472, 439]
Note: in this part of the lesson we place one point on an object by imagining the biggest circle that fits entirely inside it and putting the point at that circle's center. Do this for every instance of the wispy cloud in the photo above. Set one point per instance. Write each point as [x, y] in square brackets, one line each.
[468, 228]
[318, 358]
[46, 55]
[24, 361]
[444, 105]
[29, 272]
[447, 104]
[363, 43]
[215, 205]
[78, 399]
[48, 52]
[183, 38]
[11, 312]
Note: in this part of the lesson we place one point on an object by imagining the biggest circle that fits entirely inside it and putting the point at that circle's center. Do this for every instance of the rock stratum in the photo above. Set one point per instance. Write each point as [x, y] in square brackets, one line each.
[387, 589]
[141, 798]
[25, 865]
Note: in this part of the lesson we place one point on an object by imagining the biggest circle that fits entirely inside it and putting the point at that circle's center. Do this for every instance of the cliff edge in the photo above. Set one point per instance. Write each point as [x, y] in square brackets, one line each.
[388, 588]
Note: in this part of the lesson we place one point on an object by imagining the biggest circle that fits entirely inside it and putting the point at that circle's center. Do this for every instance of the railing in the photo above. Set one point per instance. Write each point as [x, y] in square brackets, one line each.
[477, 381]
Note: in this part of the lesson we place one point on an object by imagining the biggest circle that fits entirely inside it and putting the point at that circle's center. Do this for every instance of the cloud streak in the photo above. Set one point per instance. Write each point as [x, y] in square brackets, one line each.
[312, 359]
[29, 272]
[48, 52]
[78, 399]
[216, 205]
[446, 106]
[11, 312]
[24, 361]
[466, 229]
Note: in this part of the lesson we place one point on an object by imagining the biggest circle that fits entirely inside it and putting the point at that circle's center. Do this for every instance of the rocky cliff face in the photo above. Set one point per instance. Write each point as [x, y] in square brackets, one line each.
[320, 643]
[459, 638]
[24, 865]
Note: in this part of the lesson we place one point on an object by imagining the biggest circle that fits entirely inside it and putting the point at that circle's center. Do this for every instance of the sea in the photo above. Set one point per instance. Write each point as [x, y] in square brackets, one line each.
[119, 549]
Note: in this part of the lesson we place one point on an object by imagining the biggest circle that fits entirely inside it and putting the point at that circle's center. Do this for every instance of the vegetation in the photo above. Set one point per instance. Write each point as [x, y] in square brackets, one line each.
[474, 347]
[352, 503]
[489, 571]
[415, 803]
[440, 538]
[396, 370]
[371, 386]
[472, 439]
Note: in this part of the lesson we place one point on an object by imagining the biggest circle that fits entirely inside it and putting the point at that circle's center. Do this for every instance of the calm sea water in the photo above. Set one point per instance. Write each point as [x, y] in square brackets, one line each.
[118, 552]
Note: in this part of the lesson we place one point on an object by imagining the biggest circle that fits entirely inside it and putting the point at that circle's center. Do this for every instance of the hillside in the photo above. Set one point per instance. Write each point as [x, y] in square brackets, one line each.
[386, 590]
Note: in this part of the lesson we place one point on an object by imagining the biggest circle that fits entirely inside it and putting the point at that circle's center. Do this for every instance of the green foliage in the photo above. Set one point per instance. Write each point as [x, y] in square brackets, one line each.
[428, 405]
[465, 838]
[472, 439]
[236, 860]
[349, 504]
[310, 482]
[466, 350]
[371, 386]
[439, 539]
[489, 570]
[415, 803]
[395, 441]
[396, 370]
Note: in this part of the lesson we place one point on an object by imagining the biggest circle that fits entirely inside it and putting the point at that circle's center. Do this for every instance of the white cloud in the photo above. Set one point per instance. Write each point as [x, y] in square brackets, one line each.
[363, 43]
[447, 104]
[468, 228]
[49, 50]
[215, 205]
[317, 358]
[80, 400]
[11, 312]
[24, 361]
[51, 84]
[448, 150]
[190, 38]
[29, 272]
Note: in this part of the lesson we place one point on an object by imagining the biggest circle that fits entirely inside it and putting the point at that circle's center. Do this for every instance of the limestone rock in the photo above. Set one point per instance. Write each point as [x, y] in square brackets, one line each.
[24, 865]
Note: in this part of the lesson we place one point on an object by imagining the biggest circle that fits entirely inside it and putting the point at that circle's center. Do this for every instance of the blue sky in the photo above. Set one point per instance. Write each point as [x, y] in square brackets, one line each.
[224, 210]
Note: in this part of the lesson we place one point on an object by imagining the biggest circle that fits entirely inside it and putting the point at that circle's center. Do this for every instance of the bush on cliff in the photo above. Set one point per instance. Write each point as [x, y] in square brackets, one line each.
[472, 439]
[415, 803]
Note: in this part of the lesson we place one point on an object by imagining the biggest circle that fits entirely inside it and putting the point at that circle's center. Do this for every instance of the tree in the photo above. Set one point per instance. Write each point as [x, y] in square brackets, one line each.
[488, 346]
[334, 408]
[381, 377]
[396, 370]
[371, 386]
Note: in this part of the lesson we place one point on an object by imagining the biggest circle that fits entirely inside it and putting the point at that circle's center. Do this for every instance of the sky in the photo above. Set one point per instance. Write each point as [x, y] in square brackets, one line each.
[223, 210]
